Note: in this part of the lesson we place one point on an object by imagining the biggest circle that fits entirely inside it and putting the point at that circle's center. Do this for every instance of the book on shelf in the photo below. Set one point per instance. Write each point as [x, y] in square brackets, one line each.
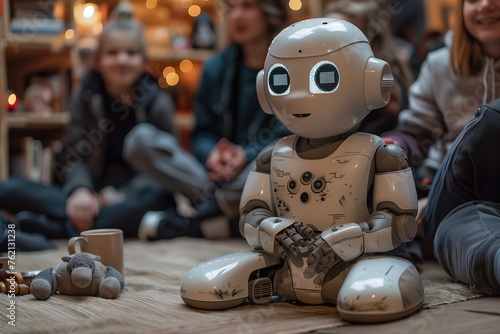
[32, 160]
[34, 17]
[36, 26]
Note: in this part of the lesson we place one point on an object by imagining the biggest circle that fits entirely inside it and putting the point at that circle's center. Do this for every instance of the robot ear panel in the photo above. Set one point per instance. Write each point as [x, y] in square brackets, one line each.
[378, 83]
[261, 92]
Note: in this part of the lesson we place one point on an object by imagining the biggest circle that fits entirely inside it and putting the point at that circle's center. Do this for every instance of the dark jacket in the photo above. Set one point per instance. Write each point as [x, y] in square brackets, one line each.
[226, 106]
[470, 169]
[83, 157]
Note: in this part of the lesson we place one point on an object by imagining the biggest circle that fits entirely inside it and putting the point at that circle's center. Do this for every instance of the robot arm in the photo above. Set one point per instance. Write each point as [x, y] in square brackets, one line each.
[393, 221]
[383, 232]
[255, 206]
[395, 201]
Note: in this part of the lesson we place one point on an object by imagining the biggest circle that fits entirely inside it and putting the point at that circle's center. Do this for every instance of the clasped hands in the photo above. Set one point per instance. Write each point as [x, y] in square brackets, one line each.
[225, 161]
[300, 240]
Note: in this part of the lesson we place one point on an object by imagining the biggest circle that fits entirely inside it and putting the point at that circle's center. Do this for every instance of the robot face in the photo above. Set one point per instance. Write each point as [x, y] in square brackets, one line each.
[318, 76]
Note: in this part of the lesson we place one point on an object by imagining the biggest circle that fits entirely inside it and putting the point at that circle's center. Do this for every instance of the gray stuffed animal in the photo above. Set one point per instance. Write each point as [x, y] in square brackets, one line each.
[80, 274]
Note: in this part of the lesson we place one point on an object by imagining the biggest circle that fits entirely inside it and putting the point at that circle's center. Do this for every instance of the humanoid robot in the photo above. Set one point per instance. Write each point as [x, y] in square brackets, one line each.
[325, 204]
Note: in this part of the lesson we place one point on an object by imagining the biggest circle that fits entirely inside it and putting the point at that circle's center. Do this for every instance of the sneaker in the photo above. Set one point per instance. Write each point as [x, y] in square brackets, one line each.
[167, 224]
[148, 227]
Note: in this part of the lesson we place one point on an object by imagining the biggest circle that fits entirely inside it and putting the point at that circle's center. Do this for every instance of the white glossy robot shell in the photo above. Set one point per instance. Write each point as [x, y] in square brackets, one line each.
[324, 36]
[320, 78]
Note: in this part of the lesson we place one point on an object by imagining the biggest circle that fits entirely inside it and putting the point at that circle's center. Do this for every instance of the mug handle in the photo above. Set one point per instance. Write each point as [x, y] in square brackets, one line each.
[73, 241]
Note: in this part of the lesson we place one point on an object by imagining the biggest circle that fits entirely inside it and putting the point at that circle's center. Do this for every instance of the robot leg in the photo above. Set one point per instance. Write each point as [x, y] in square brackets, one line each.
[379, 289]
[227, 281]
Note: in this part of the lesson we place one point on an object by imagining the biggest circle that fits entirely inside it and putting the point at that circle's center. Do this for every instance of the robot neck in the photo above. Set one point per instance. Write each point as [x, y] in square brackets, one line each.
[317, 148]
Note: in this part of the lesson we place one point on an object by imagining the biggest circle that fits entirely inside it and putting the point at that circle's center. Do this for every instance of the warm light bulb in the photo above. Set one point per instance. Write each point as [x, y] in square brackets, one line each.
[295, 4]
[151, 4]
[172, 78]
[88, 11]
[194, 10]
[11, 100]
[69, 34]
[86, 14]
[186, 66]
[167, 70]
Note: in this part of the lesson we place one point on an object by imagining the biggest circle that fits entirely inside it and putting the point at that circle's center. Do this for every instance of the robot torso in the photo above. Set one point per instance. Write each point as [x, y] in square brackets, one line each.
[327, 191]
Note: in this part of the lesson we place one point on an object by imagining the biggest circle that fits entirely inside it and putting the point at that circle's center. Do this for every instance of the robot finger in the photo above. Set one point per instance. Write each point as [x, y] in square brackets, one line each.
[325, 265]
[305, 231]
[315, 256]
[286, 243]
[295, 236]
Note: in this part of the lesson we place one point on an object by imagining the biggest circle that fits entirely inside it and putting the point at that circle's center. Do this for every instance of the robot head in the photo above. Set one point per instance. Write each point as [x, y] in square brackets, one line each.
[320, 78]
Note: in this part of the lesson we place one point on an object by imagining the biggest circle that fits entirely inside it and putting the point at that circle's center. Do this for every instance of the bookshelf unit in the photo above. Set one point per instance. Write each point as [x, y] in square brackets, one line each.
[24, 53]
[32, 51]
[38, 50]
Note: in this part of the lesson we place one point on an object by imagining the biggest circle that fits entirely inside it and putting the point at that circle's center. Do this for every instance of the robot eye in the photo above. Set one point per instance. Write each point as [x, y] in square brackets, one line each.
[278, 80]
[324, 78]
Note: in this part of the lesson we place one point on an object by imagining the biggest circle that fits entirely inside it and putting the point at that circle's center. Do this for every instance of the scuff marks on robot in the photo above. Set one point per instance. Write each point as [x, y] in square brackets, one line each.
[224, 293]
[357, 306]
[282, 207]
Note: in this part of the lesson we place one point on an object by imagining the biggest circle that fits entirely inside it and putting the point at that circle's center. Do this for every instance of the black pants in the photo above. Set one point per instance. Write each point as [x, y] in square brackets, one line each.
[17, 194]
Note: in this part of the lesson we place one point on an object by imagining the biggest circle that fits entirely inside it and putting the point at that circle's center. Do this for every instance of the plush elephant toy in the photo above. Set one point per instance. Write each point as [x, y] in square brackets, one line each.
[80, 274]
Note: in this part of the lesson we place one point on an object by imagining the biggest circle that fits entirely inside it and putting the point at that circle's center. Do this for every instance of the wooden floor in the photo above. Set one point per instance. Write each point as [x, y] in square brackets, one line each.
[476, 316]
[151, 303]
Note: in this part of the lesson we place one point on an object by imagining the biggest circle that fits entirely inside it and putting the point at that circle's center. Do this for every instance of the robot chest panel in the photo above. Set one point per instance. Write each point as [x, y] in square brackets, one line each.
[321, 193]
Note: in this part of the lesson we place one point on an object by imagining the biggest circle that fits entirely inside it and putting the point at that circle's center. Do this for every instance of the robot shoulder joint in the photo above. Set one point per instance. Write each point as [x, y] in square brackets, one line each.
[263, 161]
[390, 158]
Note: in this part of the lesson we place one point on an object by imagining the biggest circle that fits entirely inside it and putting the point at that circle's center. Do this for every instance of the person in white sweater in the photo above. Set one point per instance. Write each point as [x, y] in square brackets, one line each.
[453, 82]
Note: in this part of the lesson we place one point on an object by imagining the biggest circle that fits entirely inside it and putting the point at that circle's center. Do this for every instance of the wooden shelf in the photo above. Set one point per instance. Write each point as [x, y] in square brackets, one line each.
[29, 120]
[46, 41]
[48, 126]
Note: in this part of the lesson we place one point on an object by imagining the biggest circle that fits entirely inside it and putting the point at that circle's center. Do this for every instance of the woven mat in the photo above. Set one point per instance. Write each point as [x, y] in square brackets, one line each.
[150, 301]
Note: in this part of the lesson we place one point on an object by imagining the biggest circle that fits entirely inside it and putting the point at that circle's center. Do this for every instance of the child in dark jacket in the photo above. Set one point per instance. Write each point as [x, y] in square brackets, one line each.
[114, 98]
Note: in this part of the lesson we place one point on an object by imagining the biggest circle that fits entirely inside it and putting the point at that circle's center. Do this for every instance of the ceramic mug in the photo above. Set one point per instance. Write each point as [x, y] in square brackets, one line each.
[106, 243]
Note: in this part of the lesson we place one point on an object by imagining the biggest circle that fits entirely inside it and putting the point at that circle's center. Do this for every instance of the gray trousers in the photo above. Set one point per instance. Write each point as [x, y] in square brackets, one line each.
[160, 155]
[467, 245]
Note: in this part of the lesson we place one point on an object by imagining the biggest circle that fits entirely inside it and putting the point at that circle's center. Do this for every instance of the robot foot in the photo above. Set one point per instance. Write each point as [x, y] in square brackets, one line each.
[227, 281]
[380, 289]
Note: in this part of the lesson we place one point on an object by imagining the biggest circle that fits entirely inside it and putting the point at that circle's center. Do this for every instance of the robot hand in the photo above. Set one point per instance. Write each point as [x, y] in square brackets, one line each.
[323, 257]
[297, 239]
[337, 244]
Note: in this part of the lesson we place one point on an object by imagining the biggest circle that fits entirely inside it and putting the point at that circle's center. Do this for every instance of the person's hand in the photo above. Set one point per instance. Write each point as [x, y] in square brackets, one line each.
[82, 207]
[225, 161]
[234, 158]
[420, 219]
[214, 162]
